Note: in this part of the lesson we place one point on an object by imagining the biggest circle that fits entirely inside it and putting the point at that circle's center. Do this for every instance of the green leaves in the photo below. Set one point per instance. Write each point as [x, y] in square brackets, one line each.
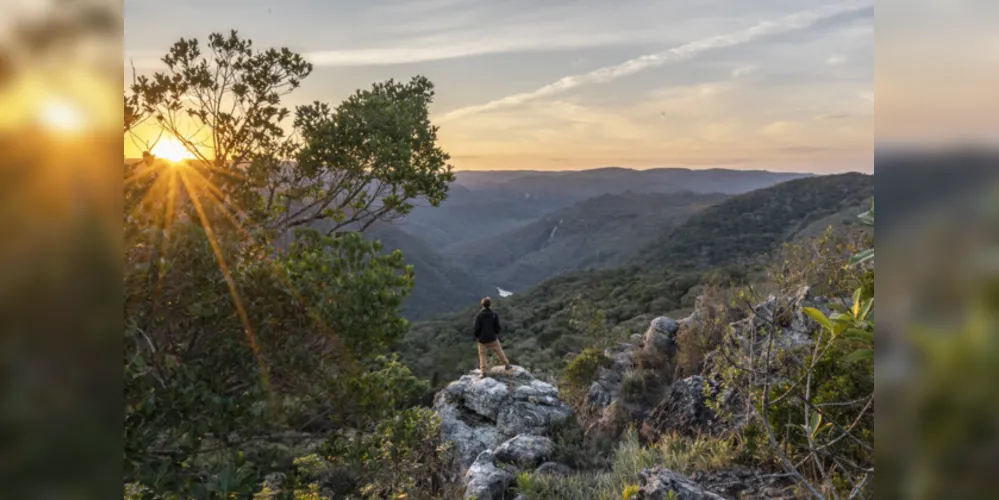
[379, 148]
[818, 317]
[860, 355]
[867, 219]
[862, 256]
[853, 325]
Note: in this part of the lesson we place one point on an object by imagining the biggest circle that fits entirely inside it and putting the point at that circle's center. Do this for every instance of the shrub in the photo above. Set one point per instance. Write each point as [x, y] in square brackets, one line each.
[580, 373]
[698, 453]
[633, 387]
[405, 455]
[579, 451]
[630, 492]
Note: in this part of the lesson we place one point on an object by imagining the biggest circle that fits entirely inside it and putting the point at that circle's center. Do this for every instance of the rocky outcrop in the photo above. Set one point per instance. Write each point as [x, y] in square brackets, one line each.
[467, 433]
[746, 483]
[553, 469]
[525, 451]
[683, 406]
[685, 409]
[484, 480]
[498, 424]
[660, 484]
[478, 413]
[659, 339]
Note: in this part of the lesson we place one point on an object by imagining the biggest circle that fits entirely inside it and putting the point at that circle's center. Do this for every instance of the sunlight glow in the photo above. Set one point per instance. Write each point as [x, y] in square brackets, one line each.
[171, 149]
[62, 115]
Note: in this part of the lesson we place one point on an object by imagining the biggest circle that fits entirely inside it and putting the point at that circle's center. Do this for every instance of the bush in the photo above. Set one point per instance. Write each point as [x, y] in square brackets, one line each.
[405, 456]
[579, 451]
[633, 387]
[580, 373]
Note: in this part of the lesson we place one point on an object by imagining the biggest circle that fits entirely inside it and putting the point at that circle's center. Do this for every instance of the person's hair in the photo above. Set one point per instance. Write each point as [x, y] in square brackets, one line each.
[487, 302]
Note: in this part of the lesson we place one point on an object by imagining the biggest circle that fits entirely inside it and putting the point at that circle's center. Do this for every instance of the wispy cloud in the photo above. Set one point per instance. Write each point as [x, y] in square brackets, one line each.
[743, 71]
[466, 42]
[836, 60]
[790, 23]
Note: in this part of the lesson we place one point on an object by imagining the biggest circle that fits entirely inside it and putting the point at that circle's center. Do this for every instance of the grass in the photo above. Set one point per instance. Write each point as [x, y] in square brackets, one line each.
[619, 481]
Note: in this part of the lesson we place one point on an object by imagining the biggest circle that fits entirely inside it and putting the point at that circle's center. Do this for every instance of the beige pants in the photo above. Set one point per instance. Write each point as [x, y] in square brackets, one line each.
[495, 347]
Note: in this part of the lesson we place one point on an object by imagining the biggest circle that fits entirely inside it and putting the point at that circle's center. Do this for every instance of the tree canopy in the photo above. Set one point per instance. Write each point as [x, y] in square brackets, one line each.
[253, 306]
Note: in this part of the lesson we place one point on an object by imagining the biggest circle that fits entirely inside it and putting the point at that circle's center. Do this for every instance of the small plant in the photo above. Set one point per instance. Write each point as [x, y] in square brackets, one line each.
[701, 453]
[633, 386]
[581, 372]
[630, 491]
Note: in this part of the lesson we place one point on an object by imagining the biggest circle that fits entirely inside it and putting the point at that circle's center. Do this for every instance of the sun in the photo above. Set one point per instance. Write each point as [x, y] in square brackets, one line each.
[171, 149]
[62, 115]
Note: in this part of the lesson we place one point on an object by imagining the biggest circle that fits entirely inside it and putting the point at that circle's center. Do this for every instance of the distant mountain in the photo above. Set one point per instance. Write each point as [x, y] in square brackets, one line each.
[730, 240]
[482, 204]
[440, 285]
[615, 180]
[756, 223]
[600, 232]
[469, 214]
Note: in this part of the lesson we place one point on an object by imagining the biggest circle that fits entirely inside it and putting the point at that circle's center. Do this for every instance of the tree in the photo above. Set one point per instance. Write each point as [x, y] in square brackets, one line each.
[364, 160]
[232, 340]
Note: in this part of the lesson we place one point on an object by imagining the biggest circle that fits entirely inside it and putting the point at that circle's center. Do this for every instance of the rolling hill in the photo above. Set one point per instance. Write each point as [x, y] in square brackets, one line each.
[484, 204]
[727, 241]
[601, 232]
[440, 285]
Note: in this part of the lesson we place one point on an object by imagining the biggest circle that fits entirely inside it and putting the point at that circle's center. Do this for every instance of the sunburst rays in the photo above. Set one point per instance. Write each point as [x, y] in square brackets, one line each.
[174, 184]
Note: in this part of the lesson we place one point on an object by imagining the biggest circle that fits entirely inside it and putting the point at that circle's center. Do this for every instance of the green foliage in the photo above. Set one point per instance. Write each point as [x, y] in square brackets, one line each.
[756, 223]
[362, 161]
[814, 401]
[405, 456]
[578, 450]
[630, 491]
[867, 219]
[388, 389]
[726, 244]
[380, 148]
[580, 373]
[242, 340]
[629, 457]
[350, 286]
[633, 386]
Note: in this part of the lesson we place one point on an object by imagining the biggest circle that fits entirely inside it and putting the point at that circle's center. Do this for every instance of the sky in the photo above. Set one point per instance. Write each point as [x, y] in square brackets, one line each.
[783, 85]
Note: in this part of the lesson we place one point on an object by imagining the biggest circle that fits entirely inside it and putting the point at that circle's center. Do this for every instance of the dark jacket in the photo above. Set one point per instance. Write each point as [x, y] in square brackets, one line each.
[487, 326]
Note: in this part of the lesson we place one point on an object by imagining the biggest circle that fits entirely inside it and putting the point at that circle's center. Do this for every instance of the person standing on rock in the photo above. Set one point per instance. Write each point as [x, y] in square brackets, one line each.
[487, 330]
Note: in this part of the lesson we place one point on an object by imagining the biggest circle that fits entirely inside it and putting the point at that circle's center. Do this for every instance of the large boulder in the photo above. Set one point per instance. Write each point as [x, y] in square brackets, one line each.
[684, 408]
[553, 469]
[524, 451]
[622, 356]
[480, 412]
[482, 395]
[531, 417]
[660, 484]
[469, 435]
[485, 481]
[659, 339]
[604, 390]
[744, 482]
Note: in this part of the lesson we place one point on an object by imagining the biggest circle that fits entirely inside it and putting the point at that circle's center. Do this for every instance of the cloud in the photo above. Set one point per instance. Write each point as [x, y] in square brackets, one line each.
[836, 60]
[833, 116]
[743, 71]
[780, 129]
[806, 149]
[793, 22]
